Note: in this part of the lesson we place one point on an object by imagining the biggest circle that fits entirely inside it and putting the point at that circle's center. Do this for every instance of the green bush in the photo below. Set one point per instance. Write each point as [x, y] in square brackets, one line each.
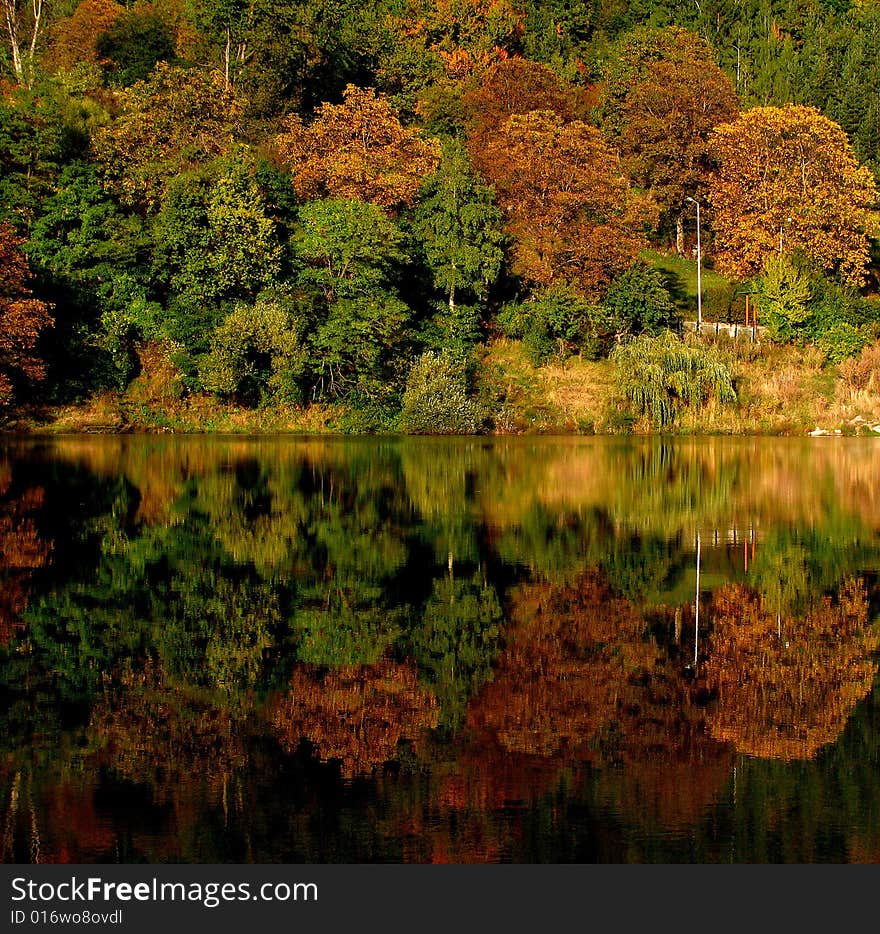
[841, 341]
[553, 324]
[660, 376]
[257, 353]
[638, 302]
[436, 400]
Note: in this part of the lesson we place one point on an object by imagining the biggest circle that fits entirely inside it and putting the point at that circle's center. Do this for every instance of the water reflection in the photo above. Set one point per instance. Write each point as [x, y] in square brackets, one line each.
[438, 651]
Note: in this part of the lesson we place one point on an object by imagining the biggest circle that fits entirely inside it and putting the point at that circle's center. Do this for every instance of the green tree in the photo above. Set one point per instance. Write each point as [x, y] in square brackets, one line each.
[215, 241]
[132, 45]
[458, 225]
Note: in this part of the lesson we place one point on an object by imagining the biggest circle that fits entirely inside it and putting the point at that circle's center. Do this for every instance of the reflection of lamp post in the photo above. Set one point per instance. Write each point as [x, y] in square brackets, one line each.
[697, 609]
[700, 265]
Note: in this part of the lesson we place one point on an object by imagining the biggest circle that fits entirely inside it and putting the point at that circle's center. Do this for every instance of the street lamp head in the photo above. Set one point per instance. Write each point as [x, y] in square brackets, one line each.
[692, 200]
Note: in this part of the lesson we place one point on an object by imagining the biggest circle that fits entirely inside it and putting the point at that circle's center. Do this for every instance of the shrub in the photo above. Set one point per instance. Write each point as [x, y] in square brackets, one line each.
[841, 341]
[436, 400]
[662, 375]
[257, 353]
[554, 324]
[638, 302]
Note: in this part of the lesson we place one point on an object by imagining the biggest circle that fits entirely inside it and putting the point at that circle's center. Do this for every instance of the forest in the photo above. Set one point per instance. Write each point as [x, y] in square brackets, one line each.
[439, 216]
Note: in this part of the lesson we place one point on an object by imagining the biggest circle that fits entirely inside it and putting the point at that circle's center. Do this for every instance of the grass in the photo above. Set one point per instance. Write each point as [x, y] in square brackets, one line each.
[720, 299]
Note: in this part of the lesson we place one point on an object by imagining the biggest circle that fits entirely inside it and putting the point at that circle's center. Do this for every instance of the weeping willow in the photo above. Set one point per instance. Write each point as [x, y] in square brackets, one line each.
[662, 375]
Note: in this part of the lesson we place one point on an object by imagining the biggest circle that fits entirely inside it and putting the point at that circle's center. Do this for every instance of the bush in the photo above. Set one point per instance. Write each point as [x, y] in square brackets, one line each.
[638, 302]
[257, 353]
[554, 324]
[662, 375]
[436, 400]
[841, 341]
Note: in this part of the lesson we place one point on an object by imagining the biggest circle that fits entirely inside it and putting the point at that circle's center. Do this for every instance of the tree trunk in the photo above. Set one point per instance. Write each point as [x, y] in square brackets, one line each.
[679, 235]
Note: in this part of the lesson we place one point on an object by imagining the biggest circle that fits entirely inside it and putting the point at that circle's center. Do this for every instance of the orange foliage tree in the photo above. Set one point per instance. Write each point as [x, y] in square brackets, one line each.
[73, 39]
[513, 86]
[566, 667]
[660, 101]
[785, 686]
[787, 179]
[22, 318]
[568, 205]
[354, 713]
[357, 150]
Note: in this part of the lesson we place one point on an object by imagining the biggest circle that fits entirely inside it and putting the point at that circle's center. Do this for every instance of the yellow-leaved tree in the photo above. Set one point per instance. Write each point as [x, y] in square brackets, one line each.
[787, 179]
[357, 150]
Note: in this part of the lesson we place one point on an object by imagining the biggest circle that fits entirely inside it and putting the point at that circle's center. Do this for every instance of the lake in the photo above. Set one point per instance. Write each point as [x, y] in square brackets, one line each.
[422, 650]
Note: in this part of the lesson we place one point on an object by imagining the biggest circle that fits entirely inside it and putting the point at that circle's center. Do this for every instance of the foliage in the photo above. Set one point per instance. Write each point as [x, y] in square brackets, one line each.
[257, 353]
[554, 324]
[664, 376]
[171, 123]
[357, 149]
[436, 400]
[662, 96]
[214, 240]
[638, 302]
[787, 180]
[22, 319]
[458, 226]
[783, 297]
[132, 44]
[569, 209]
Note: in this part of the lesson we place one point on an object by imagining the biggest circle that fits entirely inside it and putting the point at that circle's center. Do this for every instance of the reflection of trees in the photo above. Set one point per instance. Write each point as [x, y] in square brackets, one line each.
[154, 731]
[786, 686]
[456, 641]
[562, 674]
[355, 713]
[54, 821]
[22, 551]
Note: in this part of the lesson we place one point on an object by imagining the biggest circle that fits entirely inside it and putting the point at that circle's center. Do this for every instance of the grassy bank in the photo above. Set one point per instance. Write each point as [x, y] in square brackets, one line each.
[780, 390]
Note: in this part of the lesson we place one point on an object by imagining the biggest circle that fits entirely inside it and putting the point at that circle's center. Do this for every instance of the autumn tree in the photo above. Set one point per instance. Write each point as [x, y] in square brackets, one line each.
[357, 150]
[568, 206]
[175, 121]
[73, 40]
[787, 180]
[662, 96]
[356, 714]
[786, 685]
[22, 318]
[512, 86]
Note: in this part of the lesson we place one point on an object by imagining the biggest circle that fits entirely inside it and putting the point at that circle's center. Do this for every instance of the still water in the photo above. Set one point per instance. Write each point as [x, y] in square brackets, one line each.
[476, 650]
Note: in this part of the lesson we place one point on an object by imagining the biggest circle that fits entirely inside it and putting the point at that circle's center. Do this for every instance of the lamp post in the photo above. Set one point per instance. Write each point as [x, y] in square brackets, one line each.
[700, 266]
[781, 228]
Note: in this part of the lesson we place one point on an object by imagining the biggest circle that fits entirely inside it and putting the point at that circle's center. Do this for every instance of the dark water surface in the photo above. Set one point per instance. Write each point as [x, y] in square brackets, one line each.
[298, 650]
